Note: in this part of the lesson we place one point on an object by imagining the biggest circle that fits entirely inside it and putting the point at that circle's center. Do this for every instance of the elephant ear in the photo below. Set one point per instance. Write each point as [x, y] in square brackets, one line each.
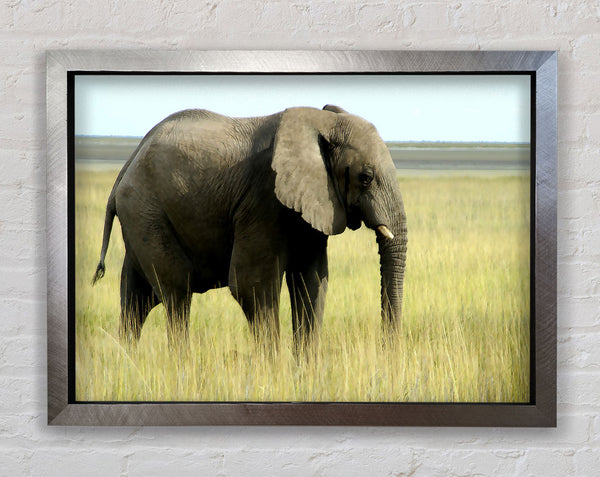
[334, 109]
[303, 182]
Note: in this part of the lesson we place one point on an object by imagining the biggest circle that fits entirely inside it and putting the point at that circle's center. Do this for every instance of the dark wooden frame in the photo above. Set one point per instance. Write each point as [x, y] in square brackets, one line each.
[541, 411]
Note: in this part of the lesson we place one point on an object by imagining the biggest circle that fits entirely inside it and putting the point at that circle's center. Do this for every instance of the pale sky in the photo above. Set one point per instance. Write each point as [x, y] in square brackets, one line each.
[403, 107]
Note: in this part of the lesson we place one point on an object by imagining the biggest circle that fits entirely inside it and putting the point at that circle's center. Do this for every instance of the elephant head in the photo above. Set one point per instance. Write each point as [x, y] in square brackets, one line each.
[335, 170]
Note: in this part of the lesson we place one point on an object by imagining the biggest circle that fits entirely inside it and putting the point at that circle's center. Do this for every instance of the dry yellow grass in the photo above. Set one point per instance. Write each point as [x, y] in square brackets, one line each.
[465, 327]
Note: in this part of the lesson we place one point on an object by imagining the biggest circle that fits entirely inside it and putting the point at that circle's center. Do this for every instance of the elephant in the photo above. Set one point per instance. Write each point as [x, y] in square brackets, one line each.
[209, 201]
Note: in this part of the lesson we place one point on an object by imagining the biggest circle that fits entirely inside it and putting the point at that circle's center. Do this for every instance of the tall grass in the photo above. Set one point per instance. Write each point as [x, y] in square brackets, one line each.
[465, 326]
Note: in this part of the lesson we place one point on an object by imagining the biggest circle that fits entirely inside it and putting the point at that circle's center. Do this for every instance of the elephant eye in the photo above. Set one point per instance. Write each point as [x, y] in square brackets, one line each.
[365, 178]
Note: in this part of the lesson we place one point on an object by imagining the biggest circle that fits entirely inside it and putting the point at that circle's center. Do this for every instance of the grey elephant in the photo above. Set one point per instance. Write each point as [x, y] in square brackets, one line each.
[210, 201]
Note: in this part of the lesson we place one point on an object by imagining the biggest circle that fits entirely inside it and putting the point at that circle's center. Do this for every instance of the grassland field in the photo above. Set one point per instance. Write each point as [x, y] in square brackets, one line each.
[464, 336]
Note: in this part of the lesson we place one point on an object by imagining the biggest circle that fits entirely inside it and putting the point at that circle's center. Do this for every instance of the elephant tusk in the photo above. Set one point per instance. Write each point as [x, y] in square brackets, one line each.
[383, 230]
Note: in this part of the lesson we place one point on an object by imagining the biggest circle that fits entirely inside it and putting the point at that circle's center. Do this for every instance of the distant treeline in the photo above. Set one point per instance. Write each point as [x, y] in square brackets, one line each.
[453, 144]
[406, 155]
[104, 148]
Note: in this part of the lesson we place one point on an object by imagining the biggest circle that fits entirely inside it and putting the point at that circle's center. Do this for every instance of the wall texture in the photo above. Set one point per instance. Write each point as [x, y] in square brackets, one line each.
[29, 447]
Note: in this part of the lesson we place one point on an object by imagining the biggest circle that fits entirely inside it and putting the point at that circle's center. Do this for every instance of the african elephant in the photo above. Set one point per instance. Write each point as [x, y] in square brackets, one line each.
[209, 201]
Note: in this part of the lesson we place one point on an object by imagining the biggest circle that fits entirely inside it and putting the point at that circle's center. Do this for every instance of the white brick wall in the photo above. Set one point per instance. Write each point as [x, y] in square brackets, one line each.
[29, 447]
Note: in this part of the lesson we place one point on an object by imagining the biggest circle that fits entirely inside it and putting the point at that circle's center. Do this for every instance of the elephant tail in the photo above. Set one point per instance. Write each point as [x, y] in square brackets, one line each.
[111, 211]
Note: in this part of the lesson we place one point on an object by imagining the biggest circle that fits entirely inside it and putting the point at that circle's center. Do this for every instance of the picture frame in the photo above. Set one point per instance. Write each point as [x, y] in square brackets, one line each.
[63, 409]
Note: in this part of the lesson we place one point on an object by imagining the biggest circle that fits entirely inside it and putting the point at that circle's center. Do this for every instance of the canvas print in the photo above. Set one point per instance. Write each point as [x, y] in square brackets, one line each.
[337, 238]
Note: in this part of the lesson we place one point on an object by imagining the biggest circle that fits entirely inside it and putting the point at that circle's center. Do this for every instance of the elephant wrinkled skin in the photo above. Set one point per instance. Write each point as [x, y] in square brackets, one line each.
[209, 201]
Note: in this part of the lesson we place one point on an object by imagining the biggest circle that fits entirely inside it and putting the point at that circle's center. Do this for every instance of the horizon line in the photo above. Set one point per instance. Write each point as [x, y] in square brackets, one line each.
[397, 141]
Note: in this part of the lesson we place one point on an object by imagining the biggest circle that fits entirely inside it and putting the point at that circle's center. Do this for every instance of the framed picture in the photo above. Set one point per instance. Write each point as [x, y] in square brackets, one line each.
[303, 238]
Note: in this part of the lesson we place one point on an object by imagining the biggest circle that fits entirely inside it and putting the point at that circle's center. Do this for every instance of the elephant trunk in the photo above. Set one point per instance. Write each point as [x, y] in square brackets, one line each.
[392, 256]
[384, 213]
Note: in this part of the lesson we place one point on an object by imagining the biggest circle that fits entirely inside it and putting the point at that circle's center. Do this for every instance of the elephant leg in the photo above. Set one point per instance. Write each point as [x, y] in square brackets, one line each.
[255, 282]
[137, 299]
[166, 266]
[306, 277]
[177, 305]
[176, 296]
